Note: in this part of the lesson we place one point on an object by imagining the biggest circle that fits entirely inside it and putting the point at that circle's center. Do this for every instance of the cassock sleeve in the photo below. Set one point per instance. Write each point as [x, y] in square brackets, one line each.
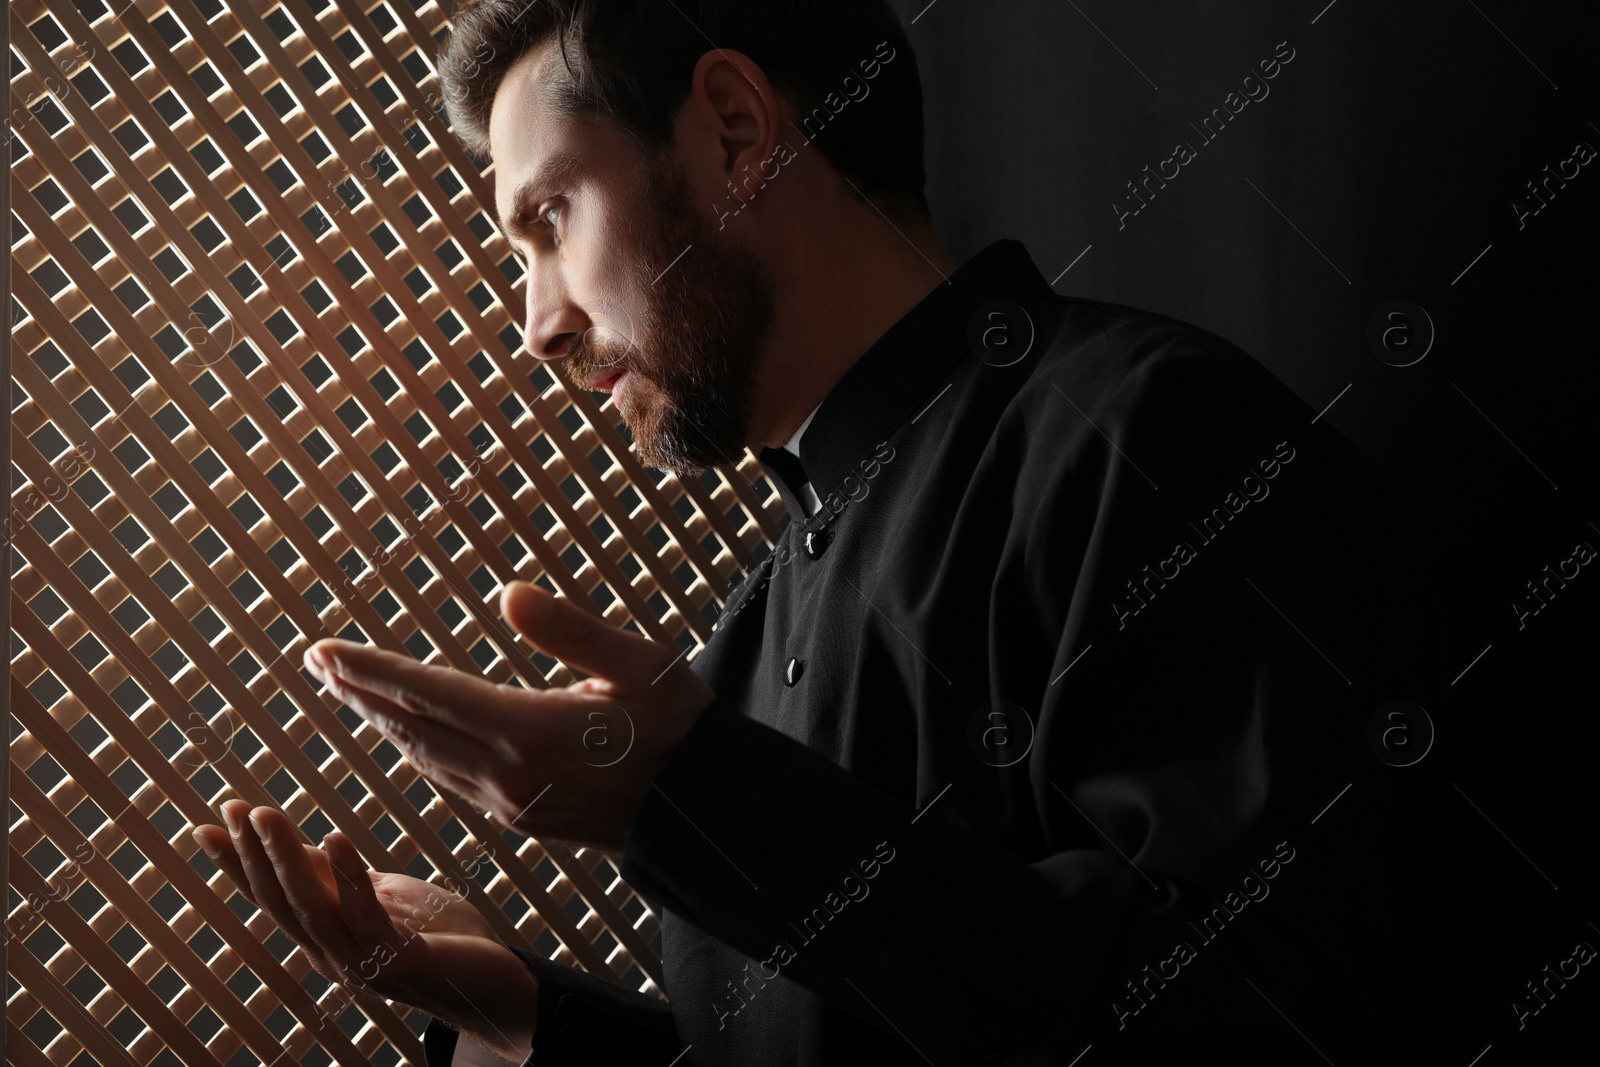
[1238, 604]
[1158, 764]
[582, 1019]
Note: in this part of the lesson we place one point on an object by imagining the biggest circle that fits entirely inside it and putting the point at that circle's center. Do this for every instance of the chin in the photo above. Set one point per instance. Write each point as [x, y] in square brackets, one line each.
[672, 461]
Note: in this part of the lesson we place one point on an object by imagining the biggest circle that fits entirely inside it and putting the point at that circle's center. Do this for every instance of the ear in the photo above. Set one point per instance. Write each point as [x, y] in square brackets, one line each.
[734, 118]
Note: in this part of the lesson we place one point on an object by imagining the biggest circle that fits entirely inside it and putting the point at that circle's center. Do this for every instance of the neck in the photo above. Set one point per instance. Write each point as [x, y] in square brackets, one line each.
[840, 288]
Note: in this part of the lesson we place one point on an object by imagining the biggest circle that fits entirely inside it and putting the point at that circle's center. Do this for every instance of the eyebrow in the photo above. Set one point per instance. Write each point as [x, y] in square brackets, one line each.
[559, 169]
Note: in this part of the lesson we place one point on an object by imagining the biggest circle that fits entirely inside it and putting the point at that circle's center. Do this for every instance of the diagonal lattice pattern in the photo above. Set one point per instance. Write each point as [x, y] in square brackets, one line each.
[269, 388]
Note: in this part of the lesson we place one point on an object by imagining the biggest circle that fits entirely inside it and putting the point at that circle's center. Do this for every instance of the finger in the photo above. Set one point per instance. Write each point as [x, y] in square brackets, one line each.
[452, 698]
[217, 846]
[359, 906]
[324, 867]
[307, 898]
[426, 743]
[265, 891]
[580, 639]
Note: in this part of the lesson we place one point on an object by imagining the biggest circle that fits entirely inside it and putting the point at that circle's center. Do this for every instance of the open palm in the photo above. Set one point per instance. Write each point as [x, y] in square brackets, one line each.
[375, 931]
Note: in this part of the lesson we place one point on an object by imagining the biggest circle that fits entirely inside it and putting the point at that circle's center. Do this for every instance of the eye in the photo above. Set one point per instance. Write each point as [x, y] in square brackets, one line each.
[545, 215]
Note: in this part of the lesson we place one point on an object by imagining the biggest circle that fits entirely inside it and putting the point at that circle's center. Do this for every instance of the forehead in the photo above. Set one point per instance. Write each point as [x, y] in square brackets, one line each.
[523, 102]
[523, 126]
[529, 138]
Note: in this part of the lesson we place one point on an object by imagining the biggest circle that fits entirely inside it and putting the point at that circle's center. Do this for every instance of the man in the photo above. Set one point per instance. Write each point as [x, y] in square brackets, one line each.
[1045, 728]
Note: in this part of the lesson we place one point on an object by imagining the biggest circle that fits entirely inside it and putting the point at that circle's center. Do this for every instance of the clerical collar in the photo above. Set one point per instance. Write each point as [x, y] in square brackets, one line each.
[793, 443]
[896, 376]
[795, 472]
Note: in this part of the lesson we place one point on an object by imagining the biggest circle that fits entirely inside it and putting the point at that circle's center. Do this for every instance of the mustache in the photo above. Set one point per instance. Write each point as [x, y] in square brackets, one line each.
[588, 358]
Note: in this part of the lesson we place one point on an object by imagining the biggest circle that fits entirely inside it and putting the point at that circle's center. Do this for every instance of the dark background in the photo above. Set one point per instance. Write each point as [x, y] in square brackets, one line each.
[1390, 147]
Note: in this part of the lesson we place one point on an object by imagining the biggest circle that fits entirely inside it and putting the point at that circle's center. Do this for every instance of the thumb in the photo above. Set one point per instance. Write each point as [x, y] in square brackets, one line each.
[579, 638]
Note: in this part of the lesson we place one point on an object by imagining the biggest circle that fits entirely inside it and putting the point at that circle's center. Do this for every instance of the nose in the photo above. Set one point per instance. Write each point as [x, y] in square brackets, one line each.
[552, 321]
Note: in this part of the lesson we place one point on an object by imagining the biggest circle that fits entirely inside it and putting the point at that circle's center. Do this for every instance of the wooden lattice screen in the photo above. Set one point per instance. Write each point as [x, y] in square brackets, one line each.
[269, 387]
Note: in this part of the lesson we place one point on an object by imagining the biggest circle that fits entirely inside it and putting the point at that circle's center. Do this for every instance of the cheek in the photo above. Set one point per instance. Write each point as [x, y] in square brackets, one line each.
[610, 254]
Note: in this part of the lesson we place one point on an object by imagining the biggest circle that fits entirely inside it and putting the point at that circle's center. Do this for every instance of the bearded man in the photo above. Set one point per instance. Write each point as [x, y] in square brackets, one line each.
[1048, 724]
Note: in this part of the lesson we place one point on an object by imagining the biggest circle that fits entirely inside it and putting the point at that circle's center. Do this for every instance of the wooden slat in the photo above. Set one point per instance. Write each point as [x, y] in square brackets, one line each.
[249, 414]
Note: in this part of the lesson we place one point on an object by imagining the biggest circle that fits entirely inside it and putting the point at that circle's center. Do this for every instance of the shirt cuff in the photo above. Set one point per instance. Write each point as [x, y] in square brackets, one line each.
[596, 1022]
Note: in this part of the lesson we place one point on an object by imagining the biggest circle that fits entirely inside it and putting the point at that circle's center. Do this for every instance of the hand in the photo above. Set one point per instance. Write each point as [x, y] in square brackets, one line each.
[389, 934]
[571, 765]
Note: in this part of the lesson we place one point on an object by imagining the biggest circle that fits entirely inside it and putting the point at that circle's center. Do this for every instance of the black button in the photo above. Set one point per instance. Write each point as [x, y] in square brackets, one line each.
[816, 542]
[791, 673]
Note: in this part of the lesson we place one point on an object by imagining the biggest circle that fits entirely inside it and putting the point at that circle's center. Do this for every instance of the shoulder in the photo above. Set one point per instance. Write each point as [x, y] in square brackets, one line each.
[1121, 356]
[1108, 384]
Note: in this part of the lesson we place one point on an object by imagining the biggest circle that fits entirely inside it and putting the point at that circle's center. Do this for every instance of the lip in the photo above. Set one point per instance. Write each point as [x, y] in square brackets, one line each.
[605, 383]
[616, 387]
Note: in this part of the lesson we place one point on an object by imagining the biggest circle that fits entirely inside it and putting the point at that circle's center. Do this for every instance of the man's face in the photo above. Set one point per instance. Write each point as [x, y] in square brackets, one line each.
[625, 275]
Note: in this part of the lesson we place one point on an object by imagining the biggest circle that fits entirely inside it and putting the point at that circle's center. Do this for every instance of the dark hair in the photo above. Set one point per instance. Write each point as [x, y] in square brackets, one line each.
[632, 60]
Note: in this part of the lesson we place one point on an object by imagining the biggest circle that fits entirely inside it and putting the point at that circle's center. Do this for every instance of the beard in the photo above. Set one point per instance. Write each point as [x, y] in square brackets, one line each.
[693, 351]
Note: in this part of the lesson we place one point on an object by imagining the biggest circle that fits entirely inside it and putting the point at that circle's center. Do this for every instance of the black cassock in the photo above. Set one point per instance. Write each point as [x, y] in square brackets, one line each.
[1064, 724]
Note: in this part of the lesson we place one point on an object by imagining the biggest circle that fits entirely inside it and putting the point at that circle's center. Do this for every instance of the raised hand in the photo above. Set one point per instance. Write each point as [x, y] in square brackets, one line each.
[572, 764]
[388, 934]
